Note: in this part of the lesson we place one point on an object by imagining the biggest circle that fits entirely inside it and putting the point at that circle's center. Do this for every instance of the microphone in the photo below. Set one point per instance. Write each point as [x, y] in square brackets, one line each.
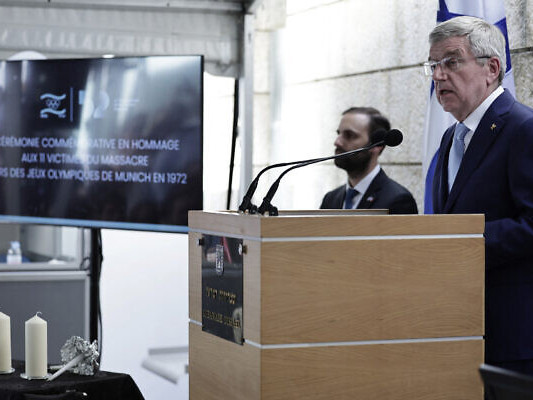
[393, 137]
[380, 137]
[246, 204]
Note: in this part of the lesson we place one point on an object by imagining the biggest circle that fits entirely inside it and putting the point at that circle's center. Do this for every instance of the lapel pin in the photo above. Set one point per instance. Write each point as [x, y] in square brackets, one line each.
[370, 199]
[492, 127]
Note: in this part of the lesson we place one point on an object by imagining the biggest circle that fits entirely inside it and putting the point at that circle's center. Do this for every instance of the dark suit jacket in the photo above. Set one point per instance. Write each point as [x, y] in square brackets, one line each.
[496, 178]
[383, 192]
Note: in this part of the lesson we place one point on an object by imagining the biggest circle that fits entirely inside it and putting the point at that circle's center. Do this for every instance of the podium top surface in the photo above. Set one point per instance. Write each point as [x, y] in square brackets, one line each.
[324, 223]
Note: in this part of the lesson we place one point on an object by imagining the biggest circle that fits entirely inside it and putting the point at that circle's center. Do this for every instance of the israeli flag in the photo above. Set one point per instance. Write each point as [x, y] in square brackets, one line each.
[437, 120]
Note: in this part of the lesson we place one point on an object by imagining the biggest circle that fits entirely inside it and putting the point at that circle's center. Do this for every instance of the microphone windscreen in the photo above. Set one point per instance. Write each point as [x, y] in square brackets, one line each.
[378, 135]
[393, 138]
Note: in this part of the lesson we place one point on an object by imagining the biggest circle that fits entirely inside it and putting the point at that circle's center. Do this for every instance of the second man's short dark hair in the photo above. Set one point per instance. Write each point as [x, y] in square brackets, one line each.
[377, 120]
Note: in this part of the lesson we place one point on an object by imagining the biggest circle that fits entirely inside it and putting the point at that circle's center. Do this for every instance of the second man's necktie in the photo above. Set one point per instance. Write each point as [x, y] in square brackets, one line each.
[348, 201]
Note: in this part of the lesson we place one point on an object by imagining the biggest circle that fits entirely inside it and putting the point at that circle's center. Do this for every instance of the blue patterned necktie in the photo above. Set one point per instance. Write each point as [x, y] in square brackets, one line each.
[348, 200]
[456, 153]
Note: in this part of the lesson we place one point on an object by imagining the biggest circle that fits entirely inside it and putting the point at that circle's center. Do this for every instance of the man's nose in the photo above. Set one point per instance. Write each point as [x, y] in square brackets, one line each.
[338, 141]
[438, 73]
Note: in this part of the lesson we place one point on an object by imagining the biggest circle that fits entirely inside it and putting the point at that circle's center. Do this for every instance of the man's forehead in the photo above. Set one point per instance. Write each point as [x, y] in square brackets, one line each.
[453, 46]
[354, 122]
[356, 116]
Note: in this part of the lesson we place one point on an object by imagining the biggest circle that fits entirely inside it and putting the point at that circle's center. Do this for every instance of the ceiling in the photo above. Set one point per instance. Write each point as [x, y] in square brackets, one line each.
[171, 5]
[83, 28]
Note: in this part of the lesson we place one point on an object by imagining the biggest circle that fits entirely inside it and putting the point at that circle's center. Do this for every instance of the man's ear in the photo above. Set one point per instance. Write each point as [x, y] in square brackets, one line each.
[494, 67]
[376, 151]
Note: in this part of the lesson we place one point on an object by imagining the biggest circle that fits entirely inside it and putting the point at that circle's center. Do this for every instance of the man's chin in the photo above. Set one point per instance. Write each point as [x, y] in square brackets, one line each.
[343, 166]
[352, 169]
[454, 110]
[447, 105]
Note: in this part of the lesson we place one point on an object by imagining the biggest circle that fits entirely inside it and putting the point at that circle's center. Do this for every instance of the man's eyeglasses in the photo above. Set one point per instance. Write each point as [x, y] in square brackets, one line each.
[448, 64]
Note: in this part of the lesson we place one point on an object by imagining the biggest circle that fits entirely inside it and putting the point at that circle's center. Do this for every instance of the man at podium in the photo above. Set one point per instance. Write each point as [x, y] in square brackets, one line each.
[368, 186]
[485, 166]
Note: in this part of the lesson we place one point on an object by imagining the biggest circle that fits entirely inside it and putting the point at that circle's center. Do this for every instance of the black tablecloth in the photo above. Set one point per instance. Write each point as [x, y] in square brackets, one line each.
[100, 386]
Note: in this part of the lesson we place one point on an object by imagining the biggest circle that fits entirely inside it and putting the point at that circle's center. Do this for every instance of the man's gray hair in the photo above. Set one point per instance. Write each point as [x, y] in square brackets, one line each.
[485, 39]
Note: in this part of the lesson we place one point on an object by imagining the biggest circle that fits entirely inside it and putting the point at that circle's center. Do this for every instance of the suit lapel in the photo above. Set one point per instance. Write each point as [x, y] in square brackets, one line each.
[441, 194]
[338, 199]
[372, 193]
[487, 131]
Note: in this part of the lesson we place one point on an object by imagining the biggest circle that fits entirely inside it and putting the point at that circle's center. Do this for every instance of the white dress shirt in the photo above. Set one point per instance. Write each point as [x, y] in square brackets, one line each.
[362, 185]
[473, 120]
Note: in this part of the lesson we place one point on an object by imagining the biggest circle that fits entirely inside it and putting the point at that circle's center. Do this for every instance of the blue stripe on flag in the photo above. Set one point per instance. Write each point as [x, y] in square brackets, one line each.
[443, 14]
[428, 201]
[502, 24]
[446, 15]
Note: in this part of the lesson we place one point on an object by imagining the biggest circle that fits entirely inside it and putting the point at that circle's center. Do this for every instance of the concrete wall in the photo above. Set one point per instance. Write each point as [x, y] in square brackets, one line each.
[315, 58]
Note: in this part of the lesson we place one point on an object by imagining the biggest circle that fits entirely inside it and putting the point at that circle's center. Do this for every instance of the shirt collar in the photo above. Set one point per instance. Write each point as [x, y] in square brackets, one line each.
[473, 120]
[363, 184]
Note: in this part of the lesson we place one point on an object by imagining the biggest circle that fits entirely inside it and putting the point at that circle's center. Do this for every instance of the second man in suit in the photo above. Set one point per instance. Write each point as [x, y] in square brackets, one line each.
[368, 186]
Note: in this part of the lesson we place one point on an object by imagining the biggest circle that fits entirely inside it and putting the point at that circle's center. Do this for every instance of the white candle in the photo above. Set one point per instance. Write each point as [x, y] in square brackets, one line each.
[36, 347]
[5, 343]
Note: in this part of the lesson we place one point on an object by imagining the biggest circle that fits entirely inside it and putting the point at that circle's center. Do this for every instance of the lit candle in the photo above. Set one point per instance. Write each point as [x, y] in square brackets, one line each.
[5, 343]
[36, 347]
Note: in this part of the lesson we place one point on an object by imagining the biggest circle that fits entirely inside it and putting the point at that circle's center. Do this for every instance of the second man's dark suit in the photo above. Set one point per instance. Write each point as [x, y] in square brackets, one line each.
[383, 192]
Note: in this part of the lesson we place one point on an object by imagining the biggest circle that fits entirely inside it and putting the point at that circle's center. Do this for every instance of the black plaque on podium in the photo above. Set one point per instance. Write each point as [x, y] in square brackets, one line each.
[222, 293]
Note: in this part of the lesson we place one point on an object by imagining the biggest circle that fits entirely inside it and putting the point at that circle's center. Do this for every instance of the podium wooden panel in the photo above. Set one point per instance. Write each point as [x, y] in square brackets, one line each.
[345, 306]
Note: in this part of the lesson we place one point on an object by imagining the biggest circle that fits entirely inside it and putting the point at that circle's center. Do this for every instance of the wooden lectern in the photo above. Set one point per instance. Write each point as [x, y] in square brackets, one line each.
[338, 306]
